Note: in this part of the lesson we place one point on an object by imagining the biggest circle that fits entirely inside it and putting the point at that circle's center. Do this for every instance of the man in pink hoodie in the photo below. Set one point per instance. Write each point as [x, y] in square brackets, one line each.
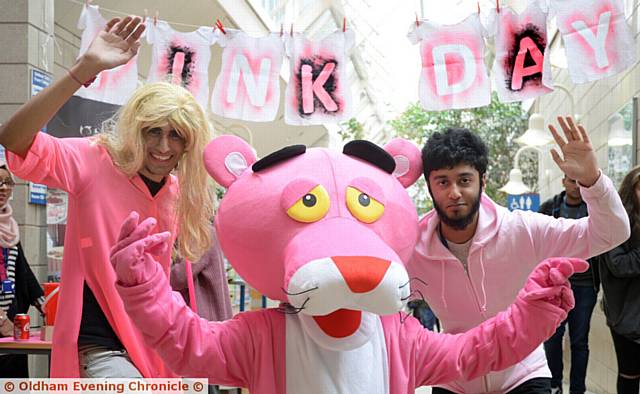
[474, 255]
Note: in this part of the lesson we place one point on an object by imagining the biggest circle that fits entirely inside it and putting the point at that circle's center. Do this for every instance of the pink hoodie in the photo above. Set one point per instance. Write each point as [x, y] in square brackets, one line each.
[100, 198]
[506, 247]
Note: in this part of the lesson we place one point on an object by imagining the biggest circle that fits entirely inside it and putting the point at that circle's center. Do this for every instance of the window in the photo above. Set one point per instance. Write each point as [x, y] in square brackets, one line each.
[620, 143]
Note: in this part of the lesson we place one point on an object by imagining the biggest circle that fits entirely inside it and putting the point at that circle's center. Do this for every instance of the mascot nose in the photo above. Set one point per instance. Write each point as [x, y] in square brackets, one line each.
[361, 273]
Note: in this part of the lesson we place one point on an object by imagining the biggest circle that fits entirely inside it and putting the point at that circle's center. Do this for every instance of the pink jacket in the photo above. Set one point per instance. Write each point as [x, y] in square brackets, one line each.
[100, 198]
[506, 248]
[249, 350]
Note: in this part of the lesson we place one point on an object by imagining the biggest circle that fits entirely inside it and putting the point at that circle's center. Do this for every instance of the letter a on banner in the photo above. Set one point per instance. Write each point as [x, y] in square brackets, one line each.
[453, 73]
[318, 90]
[597, 39]
[248, 86]
[521, 70]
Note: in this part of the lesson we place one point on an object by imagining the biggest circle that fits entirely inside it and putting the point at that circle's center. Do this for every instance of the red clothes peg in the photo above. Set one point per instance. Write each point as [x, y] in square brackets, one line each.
[220, 26]
[344, 24]
[417, 21]
[478, 7]
[498, 6]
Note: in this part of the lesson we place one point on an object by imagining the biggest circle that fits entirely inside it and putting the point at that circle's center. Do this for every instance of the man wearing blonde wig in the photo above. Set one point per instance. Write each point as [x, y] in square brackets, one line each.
[129, 168]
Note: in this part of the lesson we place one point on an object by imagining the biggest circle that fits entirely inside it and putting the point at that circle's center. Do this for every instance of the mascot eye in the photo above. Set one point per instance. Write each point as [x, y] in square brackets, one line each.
[364, 207]
[311, 207]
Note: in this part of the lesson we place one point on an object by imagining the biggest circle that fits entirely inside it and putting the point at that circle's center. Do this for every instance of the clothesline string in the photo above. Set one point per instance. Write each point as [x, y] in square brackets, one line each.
[121, 13]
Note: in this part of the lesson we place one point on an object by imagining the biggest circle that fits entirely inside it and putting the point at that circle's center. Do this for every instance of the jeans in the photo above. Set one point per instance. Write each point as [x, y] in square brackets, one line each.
[100, 362]
[628, 363]
[423, 313]
[579, 320]
[531, 386]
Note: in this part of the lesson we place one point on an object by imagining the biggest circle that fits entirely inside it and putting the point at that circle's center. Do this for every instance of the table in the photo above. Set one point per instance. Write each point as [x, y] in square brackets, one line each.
[33, 345]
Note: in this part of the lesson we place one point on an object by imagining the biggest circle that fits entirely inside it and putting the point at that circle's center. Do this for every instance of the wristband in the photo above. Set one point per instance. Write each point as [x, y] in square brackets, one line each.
[85, 84]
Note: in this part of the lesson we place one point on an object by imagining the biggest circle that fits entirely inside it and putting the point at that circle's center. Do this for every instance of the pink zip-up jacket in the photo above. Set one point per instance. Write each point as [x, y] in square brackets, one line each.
[250, 349]
[100, 198]
[504, 251]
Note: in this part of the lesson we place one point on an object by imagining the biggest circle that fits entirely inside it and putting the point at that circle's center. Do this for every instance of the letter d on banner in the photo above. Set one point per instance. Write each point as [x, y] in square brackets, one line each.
[466, 67]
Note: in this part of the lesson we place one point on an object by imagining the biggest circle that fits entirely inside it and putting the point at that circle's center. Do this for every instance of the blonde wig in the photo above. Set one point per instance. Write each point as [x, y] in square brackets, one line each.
[156, 105]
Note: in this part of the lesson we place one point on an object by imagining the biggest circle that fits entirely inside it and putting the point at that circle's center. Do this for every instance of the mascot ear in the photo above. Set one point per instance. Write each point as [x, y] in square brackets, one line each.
[408, 160]
[227, 157]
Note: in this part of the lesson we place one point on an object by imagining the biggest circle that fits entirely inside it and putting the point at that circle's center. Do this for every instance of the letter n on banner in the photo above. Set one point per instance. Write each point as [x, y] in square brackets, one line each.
[453, 73]
[248, 86]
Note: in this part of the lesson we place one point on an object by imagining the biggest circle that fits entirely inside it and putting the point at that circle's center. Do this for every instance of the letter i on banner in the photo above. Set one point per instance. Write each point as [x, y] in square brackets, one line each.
[318, 90]
[597, 39]
[521, 70]
[181, 58]
[453, 73]
[248, 86]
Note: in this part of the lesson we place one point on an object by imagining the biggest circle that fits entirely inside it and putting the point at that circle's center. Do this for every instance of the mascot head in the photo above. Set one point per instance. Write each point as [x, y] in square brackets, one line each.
[324, 232]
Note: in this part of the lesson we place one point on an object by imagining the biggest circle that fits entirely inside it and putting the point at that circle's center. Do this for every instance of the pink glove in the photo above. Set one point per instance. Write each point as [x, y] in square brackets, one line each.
[132, 256]
[548, 282]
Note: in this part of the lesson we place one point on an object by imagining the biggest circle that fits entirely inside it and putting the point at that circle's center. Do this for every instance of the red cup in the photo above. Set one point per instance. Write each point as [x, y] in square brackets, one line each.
[51, 292]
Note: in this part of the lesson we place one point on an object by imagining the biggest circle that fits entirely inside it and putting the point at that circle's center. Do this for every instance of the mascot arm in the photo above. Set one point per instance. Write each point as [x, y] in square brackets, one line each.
[188, 344]
[505, 339]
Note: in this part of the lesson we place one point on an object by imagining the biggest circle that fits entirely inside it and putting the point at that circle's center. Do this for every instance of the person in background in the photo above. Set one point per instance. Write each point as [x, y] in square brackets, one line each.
[620, 276]
[209, 283]
[20, 288]
[569, 205]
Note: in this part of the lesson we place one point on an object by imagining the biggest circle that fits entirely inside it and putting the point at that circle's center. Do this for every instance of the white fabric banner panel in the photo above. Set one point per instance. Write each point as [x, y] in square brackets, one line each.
[453, 73]
[521, 69]
[113, 86]
[248, 86]
[181, 58]
[598, 42]
[318, 90]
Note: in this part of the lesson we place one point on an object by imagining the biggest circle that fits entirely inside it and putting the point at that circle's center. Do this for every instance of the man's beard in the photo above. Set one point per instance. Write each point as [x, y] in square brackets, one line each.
[463, 222]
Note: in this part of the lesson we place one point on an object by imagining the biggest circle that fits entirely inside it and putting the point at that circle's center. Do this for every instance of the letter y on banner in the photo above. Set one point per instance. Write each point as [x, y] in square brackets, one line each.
[597, 39]
[248, 86]
[453, 73]
[318, 90]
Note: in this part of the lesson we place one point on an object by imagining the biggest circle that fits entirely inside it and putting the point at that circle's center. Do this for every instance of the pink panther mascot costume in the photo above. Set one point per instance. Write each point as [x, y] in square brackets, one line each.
[325, 233]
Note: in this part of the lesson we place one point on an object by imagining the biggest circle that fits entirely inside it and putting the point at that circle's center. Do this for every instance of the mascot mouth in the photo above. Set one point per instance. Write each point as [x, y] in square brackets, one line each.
[341, 323]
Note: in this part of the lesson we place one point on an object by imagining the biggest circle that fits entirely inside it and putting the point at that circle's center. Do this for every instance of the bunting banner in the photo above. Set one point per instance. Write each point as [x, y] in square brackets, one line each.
[597, 39]
[113, 86]
[453, 73]
[318, 90]
[248, 86]
[598, 43]
[521, 69]
[181, 58]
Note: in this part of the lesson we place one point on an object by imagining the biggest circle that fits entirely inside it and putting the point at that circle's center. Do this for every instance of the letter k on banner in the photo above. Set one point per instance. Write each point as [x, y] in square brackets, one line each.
[318, 90]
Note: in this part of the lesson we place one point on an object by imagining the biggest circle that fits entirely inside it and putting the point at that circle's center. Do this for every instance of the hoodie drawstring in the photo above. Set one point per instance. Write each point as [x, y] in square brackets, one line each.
[483, 308]
[442, 297]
